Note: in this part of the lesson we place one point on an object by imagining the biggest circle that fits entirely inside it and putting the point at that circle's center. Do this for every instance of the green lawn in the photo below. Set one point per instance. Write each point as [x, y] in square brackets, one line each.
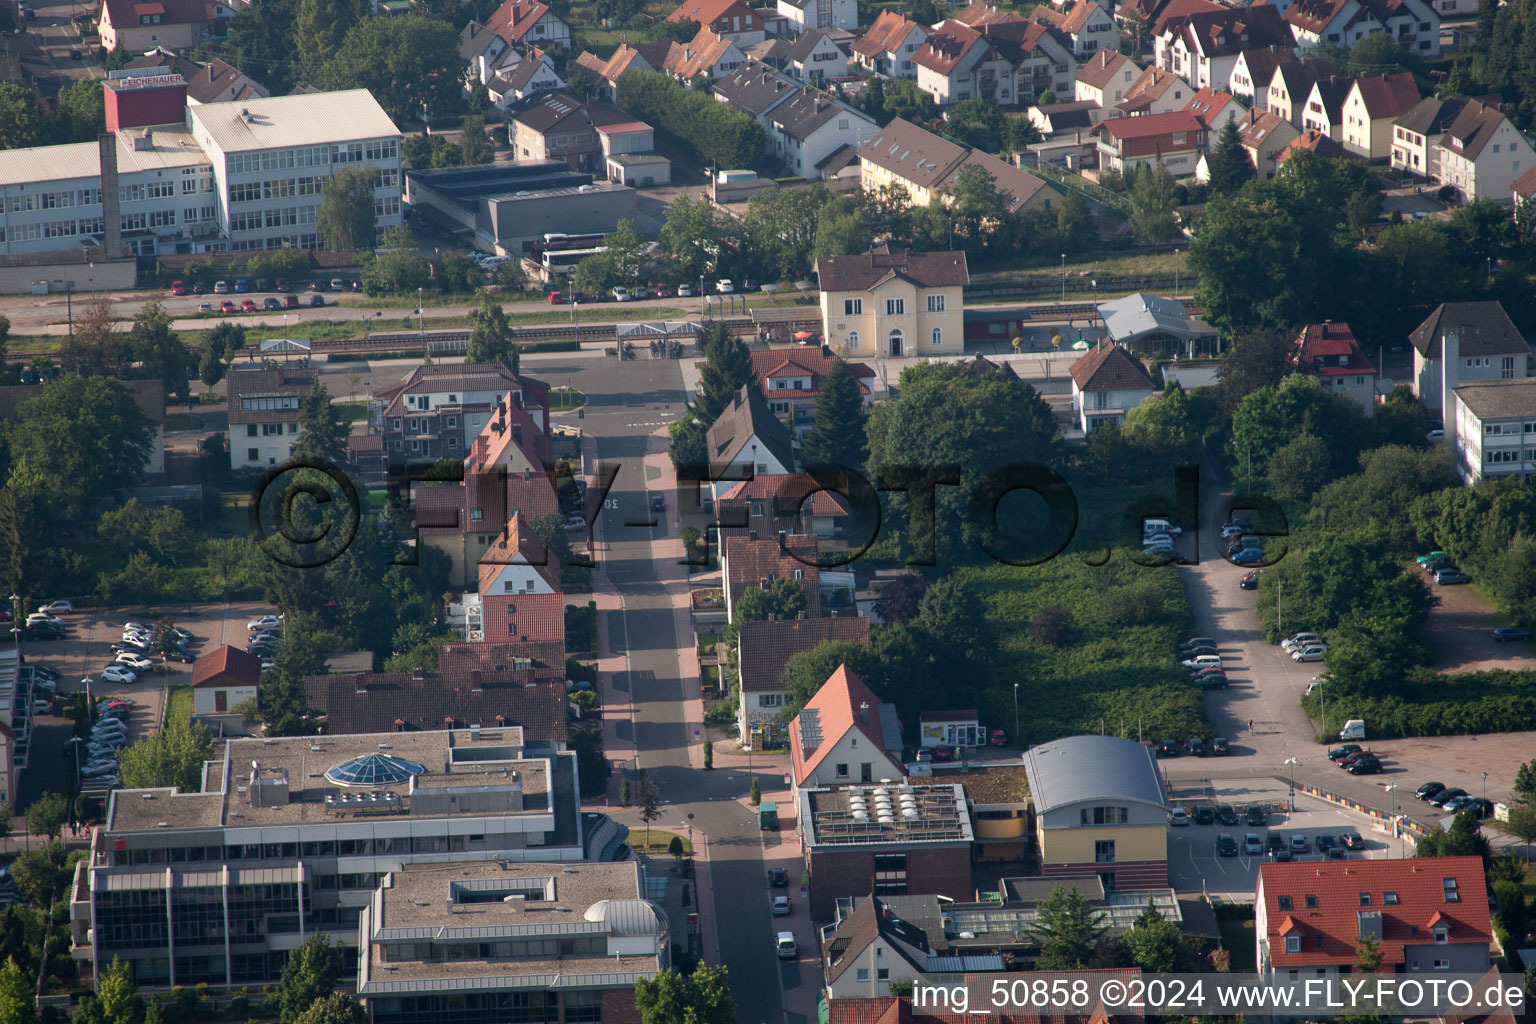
[563, 399]
[351, 412]
[178, 704]
[1237, 939]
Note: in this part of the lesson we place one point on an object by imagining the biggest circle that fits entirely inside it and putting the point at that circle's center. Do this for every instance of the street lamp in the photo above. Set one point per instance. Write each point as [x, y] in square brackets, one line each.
[1015, 712]
[421, 315]
[1292, 762]
[1176, 275]
[1063, 277]
[1393, 790]
[1485, 785]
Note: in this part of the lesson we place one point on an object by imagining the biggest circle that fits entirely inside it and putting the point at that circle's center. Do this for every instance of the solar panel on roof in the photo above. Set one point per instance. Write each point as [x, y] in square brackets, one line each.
[371, 770]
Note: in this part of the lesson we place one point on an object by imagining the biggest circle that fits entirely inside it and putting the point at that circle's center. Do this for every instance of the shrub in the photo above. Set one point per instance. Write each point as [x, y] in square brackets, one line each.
[1051, 624]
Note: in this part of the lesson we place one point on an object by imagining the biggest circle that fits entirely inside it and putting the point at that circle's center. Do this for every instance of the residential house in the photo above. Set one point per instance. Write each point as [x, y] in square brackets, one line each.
[518, 597]
[1330, 353]
[822, 15]
[1174, 140]
[1106, 78]
[890, 303]
[1055, 119]
[485, 798]
[815, 56]
[1155, 92]
[890, 46]
[223, 679]
[1292, 84]
[627, 148]
[1422, 915]
[1157, 325]
[706, 55]
[1107, 383]
[504, 473]
[773, 51]
[264, 413]
[745, 439]
[1041, 57]
[809, 127]
[1324, 111]
[1213, 109]
[530, 23]
[1086, 23]
[517, 684]
[756, 89]
[1010, 61]
[606, 73]
[596, 936]
[760, 562]
[844, 735]
[1417, 133]
[1371, 111]
[1482, 153]
[1493, 426]
[763, 650]
[1412, 24]
[173, 24]
[797, 504]
[731, 19]
[860, 840]
[924, 165]
[1203, 47]
[1264, 138]
[1484, 345]
[1524, 192]
[437, 410]
[978, 14]
[1311, 141]
[1252, 72]
[1145, 18]
[221, 82]
[1111, 822]
[531, 75]
[791, 381]
[870, 948]
[561, 127]
[482, 49]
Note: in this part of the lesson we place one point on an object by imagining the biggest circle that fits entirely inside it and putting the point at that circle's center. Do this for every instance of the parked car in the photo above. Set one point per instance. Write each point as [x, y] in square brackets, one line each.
[1197, 641]
[1214, 680]
[118, 674]
[725, 286]
[1178, 817]
[263, 622]
[1196, 746]
[1324, 843]
[1197, 652]
[999, 738]
[1425, 559]
[1226, 814]
[338, 284]
[663, 291]
[923, 756]
[1299, 843]
[1364, 766]
[778, 877]
[1274, 841]
[242, 285]
[1204, 661]
[272, 302]
[205, 307]
[1506, 633]
[1351, 841]
[1253, 845]
[784, 946]
[943, 754]
[1445, 796]
[1313, 653]
[621, 295]
[1163, 550]
[1256, 816]
[317, 300]
[1219, 745]
[1226, 846]
[1205, 814]
[1168, 748]
[56, 607]
[684, 291]
[1295, 640]
[1250, 580]
[221, 288]
[780, 906]
[178, 288]
[1451, 577]
[1248, 556]
[1349, 759]
[134, 661]
[1339, 753]
[290, 302]
[1429, 790]
[228, 307]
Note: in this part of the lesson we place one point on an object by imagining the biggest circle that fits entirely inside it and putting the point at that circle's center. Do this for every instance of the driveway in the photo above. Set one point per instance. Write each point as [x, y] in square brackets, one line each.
[1459, 633]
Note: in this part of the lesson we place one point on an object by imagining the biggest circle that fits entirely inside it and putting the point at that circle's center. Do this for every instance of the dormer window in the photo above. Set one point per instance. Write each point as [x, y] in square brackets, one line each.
[1442, 934]
[1293, 943]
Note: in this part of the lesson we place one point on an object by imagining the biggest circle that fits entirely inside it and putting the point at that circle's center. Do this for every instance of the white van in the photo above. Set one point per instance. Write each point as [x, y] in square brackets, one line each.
[1151, 526]
[1354, 729]
[784, 944]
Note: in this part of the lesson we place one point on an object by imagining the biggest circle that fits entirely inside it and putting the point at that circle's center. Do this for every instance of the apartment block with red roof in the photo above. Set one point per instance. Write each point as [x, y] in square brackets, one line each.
[140, 26]
[1174, 140]
[1329, 352]
[1085, 22]
[1427, 915]
[1412, 24]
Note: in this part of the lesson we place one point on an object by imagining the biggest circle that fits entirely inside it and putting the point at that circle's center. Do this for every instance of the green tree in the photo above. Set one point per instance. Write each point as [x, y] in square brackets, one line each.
[18, 994]
[95, 348]
[690, 237]
[837, 435]
[842, 228]
[410, 63]
[1230, 168]
[474, 143]
[399, 267]
[687, 447]
[807, 671]
[649, 801]
[1522, 825]
[21, 122]
[782, 599]
[321, 26]
[781, 227]
[173, 756]
[79, 112]
[1463, 839]
[335, 1008]
[905, 100]
[37, 876]
[490, 336]
[322, 434]
[1154, 203]
[159, 531]
[1298, 468]
[308, 977]
[210, 368]
[727, 369]
[86, 436]
[1066, 929]
[345, 221]
[1157, 944]
[1525, 782]
[118, 997]
[1160, 428]
[874, 100]
[159, 350]
[703, 997]
[976, 122]
[262, 36]
[227, 339]
[47, 814]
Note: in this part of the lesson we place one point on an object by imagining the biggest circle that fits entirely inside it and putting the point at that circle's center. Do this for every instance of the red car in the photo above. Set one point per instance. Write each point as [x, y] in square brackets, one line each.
[248, 305]
[178, 288]
[228, 307]
[942, 753]
[555, 298]
[663, 291]
[999, 738]
[290, 302]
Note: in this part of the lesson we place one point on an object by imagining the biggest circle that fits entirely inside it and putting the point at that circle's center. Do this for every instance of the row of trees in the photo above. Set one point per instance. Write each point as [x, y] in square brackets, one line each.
[78, 115]
[718, 132]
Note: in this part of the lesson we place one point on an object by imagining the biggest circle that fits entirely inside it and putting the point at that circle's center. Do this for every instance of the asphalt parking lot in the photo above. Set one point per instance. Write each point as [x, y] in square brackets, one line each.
[1193, 865]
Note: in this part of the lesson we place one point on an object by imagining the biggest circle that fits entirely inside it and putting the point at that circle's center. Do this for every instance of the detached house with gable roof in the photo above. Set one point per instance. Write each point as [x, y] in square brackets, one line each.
[1203, 47]
[890, 303]
[1174, 139]
[1324, 110]
[561, 127]
[870, 949]
[763, 649]
[1107, 383]
[747, 439]
[890, 45]
[139, 26]
[606, 73]
[845, 735]
[1252, 72]
[1106, 78]
[1264, 138]
[1155, 92]
[759, 562]
[530, 23]
[223, 679]
[1213, 109]
[812, 125]
[1412, 24]
[1086, 23]
[791, 381]
[924, 165]
[1330, 353]
[729, 19]
[1292, 84]
[805, 15]
[705, 55]
[815, 54]
[264, 413]
[518, 596]
[1371, 111]
[1483, 342]
[1482, 153]
[1416, 135]
[437, 410]
[1425, 915]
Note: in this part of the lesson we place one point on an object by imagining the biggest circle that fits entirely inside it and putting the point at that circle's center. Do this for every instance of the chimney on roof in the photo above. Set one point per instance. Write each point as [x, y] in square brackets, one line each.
[361, 682]
[501, 720]
[476, 683]
[448, 722]
[418, 675]
[864, 712]
[783, 547]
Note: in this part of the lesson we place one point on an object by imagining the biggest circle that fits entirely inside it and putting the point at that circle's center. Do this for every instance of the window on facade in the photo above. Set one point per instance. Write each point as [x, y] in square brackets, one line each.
[938, 338]
[895, 307]
[841, 771]
[935, 303]
[1104, 851]
[853, 307]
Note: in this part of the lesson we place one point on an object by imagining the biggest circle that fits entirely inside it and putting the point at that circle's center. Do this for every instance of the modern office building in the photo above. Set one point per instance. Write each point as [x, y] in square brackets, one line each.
[289, 837]
[486, 943]
[168, 177]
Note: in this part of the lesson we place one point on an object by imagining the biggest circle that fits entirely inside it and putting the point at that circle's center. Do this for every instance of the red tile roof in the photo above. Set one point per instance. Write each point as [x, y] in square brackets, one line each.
[980, 13]
[755, 563]
[947, 46]
[1101, 68]
[802, 362]
[888, 32]
[513, 19]
[787, 489]
[226, 667]
[1207, 105]
[1108, 367]
[1525, 185]
[706, 12]
[1387, 95]
[1320, 347]
[517, 544]
[1312, 141]
[838, 707]
[864, 271]
[1330, 928]
[124, 14]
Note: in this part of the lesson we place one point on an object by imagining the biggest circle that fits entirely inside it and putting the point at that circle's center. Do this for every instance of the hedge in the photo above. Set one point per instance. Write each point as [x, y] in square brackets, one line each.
[718, 132]
[1435, 704]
